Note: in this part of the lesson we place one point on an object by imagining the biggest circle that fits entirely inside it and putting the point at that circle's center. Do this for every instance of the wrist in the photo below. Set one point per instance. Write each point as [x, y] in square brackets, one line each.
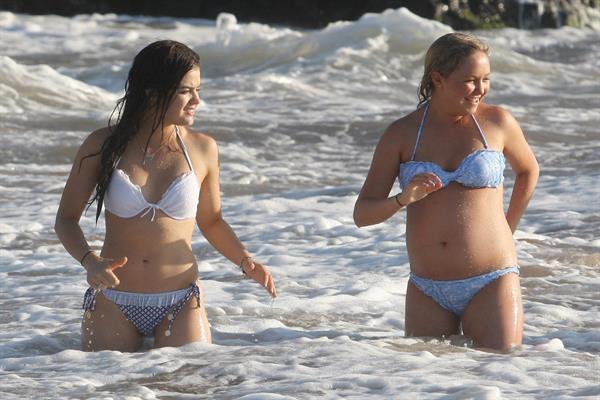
[85, 257]
[245, 261]
[400, 201]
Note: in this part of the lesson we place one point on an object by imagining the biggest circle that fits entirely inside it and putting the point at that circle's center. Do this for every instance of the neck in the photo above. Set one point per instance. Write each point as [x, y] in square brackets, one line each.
[441, 113]
[157, 137]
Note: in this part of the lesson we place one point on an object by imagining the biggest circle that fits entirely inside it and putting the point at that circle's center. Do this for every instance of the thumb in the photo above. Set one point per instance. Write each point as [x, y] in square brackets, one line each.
[118, 264]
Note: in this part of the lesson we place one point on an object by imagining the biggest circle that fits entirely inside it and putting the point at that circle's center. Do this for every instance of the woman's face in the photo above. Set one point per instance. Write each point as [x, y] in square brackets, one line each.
[185, 100]
[467, 85]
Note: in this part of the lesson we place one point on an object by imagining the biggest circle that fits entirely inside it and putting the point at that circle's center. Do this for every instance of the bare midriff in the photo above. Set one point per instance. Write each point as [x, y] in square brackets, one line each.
[159, 252]
[459, 232]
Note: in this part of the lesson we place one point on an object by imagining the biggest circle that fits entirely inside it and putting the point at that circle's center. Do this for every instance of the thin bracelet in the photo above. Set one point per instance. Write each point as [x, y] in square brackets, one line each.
[398, 201]
[249, 258]
[87, 253]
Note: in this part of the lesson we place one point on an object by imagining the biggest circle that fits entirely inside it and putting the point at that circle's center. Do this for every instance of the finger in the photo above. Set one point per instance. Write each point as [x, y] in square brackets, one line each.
[104, 281]
[429, 177]
[117, 264]
[114, 281]
[272, 286]
[268, 284]
[251, 265]
[431, 187]
[272, 289]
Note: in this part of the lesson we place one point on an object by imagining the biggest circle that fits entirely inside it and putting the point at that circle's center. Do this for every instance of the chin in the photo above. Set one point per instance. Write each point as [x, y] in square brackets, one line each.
[186, 121]
[471, 107]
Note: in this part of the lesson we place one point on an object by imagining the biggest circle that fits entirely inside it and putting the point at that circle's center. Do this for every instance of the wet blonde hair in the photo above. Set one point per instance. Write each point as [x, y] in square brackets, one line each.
[445, 55]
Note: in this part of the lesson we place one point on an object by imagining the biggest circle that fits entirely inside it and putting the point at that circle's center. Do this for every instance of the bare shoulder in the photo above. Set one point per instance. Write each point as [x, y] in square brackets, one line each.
[500, 124]
[94, 141]
[497, 116]
[404, 126]
[201, 143]
[88, 155]
[401, 134]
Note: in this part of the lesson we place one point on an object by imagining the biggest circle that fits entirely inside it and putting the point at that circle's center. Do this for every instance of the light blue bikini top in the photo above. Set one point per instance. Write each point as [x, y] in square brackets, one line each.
[482, 168]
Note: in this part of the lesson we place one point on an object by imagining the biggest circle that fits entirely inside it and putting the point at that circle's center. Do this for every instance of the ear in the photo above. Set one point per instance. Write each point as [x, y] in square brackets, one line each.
[436, 79]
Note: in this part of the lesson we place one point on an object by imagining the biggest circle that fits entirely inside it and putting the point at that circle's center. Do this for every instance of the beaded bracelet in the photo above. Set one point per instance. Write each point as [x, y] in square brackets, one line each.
[85, 255]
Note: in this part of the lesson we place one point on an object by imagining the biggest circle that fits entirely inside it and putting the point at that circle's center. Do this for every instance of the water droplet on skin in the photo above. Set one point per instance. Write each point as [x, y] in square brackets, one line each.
[102, 316]
[88, 314]
[168, 332]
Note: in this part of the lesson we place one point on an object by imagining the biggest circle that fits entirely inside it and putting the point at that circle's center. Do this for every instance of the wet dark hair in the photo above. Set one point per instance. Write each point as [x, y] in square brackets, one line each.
[445, 55]
[153, 79]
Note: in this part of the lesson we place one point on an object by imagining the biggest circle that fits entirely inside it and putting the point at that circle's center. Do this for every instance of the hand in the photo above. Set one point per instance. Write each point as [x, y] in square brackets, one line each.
[260, 274]
[100, 273]
[420, 187]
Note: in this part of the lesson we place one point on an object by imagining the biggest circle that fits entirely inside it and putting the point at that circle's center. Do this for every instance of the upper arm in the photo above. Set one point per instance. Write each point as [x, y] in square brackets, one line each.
[516, 149]
[82, 178]
[209, 204]
[384, 166]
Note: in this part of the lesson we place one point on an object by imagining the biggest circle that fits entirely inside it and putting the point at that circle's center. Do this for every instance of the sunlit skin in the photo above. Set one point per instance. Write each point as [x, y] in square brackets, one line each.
[464, 88]
[144, 256]
[456, 232]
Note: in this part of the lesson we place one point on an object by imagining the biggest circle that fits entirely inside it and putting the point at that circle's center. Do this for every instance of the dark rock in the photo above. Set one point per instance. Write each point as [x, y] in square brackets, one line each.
[460, 14]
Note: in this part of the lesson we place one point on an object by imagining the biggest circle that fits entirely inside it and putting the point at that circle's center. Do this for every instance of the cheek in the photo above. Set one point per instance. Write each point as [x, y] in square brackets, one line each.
[462, 88]
[177, 104]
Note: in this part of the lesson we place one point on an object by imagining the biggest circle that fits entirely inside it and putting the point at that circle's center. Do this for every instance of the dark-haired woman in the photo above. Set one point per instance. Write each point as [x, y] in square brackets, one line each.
[157, 179]
[449, 156]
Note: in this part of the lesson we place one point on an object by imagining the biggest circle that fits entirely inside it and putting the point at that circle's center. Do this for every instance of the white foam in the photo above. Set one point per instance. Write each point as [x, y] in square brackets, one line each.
[296, 114]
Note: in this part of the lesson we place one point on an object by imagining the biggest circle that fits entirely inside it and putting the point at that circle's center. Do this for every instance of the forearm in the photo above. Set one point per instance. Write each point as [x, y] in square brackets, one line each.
[369, 211]
[521, 194]
[71, 236]
[220, 235]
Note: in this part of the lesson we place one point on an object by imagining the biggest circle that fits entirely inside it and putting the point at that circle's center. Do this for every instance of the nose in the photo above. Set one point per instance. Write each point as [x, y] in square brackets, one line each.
[195, 97]
[480, 87]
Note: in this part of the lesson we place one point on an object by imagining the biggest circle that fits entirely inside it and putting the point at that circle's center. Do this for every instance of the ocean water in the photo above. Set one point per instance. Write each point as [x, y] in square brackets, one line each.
[296, 115]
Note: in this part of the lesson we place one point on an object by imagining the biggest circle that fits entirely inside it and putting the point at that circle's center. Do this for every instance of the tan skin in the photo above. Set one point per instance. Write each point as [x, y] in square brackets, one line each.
[456, 232]
[144, 256]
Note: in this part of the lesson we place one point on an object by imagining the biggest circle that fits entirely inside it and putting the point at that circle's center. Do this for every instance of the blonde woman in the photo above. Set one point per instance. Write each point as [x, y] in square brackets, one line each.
[449, 156]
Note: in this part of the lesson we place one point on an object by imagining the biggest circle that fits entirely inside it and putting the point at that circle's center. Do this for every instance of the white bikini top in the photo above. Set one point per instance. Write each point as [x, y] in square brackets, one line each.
[180, 201]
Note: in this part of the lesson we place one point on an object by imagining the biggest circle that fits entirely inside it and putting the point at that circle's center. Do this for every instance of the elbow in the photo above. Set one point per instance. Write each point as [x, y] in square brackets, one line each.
[358, 222]
[358, 218]
[206, 225]
[531, 175]
[63, 222]
[58, 225]
[535, 171]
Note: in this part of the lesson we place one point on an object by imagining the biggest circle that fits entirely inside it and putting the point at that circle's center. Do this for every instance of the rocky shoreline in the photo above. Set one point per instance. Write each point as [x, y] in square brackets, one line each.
[460, 14]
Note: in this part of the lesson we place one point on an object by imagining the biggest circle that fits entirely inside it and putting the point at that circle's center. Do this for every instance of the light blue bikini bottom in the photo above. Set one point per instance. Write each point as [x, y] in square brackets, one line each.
[455, 295]
[145, 310]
